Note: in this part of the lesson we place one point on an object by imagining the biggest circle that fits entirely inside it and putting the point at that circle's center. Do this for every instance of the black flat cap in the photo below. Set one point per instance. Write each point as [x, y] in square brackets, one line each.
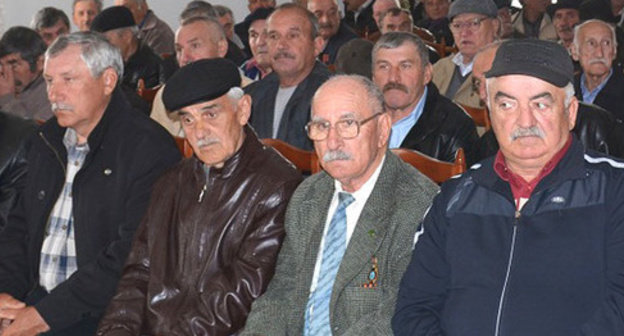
[572, 4]
[112, 18]
[200, 81]
[354, 57]
[485, 7]
[545, 60]
[502, 3]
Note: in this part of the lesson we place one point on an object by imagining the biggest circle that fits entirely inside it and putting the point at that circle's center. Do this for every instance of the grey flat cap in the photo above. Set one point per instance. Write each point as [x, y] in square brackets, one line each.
[485, 7]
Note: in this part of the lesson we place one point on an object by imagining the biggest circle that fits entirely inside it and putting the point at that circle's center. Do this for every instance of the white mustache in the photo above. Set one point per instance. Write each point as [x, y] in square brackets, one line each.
[521, 132]
[336, 155]
[61, 106]
[604, 61]
[206, 142]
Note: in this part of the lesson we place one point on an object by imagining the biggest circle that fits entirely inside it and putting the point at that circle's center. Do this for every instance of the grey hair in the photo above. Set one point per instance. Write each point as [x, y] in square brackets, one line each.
[314, 24]
[393, 12]
[235, 93]
[394, 40]
[98, 4]
[97, 53]
[217, 32]
[568, 89]
[576, 43]
[374, 95]
[223, 10]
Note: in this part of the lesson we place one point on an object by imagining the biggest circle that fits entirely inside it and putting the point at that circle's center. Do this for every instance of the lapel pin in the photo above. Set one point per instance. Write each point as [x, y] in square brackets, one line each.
[108, 171]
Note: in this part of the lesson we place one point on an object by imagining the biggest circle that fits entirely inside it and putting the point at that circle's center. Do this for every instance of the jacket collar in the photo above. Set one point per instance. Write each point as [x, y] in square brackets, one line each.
[570, 167]
[116, 106]
[430, 119]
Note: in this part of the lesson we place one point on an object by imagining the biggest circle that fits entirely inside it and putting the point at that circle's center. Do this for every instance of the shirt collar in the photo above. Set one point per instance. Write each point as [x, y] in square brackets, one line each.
[367, 187]
[404, 125]
[589, 96]
[464, 69]
[70, 140]
[519, 186]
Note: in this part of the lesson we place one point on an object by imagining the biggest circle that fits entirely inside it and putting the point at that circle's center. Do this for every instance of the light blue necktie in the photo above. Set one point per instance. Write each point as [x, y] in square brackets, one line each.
[317, 309]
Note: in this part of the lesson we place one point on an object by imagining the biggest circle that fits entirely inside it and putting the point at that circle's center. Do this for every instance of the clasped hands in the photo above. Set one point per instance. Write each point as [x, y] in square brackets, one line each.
[18, 319]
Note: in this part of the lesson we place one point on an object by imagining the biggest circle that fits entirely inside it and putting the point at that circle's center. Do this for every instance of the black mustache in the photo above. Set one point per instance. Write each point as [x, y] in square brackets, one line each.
[284, 54]
[394, 86]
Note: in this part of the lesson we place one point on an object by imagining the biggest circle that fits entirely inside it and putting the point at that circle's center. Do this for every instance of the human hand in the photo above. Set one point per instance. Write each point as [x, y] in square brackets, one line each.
[25, 322]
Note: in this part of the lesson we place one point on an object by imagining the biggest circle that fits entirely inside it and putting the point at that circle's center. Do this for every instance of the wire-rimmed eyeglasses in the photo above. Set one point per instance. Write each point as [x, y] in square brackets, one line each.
[346, 128]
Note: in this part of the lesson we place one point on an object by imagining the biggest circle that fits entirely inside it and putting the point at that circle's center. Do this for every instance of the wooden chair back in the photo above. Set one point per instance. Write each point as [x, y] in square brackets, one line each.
[436, 170]
[148, 94]
[480, 115]
[424, 34]
[305, 161]
[184, 146]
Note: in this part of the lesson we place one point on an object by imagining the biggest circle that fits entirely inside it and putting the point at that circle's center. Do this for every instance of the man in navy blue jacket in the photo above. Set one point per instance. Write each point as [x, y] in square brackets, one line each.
[531, 241]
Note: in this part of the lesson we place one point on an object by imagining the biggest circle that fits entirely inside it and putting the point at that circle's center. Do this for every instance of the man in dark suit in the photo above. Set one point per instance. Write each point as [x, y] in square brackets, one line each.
[338, 275]
[335, 32]
[359, 16]
[281, 100]
[422, 118]
[601, 82]
[91, 170]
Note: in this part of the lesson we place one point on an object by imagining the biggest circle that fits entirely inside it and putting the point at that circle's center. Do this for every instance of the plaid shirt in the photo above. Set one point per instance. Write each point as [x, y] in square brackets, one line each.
[58, 253]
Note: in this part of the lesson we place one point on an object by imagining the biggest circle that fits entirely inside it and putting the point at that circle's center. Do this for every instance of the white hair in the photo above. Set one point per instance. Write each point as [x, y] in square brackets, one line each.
[576, 43]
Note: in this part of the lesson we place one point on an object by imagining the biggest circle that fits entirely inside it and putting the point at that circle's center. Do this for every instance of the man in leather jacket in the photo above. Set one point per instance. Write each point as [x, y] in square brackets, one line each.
[13, 134]
[422, 118]
[208, 245]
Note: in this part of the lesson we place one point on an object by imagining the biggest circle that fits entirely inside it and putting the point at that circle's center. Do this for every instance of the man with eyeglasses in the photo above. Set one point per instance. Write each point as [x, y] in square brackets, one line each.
[474, 24]
[422, 119]
[350, 228]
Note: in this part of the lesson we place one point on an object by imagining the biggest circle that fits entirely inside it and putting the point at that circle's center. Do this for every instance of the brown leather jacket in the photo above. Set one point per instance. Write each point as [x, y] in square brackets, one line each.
[206, 248]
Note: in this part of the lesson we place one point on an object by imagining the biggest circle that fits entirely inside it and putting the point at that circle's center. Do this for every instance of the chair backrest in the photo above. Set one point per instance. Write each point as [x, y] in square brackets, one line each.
[148, 94]
[305, 161]
[184, 147]
[441, 48]
[436, 170]
[480, 115]
[424, 33]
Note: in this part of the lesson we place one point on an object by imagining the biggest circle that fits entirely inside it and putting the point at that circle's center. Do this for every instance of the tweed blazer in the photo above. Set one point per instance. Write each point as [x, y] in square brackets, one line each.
[385, 231]
[442, 75]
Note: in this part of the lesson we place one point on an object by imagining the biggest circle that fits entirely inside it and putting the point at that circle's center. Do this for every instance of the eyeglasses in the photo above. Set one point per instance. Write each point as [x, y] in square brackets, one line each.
[472, 25]
[346, 128]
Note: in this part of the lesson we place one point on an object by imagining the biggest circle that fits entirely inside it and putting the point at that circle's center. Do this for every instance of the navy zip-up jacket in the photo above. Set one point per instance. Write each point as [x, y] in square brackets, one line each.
[556, 267]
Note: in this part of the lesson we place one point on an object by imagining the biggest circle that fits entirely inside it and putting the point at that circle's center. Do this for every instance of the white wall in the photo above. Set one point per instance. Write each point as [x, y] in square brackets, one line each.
[20, 12]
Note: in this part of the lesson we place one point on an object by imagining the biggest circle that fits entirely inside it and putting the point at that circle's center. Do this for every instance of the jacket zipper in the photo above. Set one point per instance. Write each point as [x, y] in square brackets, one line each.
[509, 262]
[56, 154]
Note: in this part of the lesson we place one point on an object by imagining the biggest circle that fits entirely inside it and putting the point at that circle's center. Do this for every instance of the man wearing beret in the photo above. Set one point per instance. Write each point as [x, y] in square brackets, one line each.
[532, 21]
[140, 62]
[474, 24]
[208, 244]
[530, 241]
[565, 16]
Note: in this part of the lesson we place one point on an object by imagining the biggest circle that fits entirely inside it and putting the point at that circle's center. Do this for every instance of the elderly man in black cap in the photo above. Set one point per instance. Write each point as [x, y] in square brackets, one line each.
[474, 24]
[528, 242]
[208, 244]
[565, 16]
[140, 62]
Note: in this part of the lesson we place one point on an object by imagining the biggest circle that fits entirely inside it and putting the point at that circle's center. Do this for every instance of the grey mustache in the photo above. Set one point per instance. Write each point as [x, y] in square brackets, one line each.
[61, 106]
[336, 155]
[206, 142]
[526, 132]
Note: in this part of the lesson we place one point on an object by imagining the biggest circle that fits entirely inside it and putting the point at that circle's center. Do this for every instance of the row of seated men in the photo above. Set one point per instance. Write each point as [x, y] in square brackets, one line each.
[212, 228]
[287, 91]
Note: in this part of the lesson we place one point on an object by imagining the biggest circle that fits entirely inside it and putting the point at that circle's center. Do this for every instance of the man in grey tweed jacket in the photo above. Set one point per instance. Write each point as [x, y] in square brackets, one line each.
[350, 134]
